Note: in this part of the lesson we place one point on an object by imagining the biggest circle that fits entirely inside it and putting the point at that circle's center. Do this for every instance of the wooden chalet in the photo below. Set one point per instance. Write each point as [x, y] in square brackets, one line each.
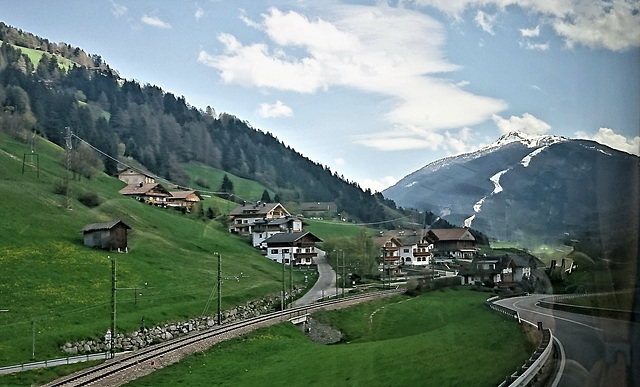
[298, 248]
[183, 199]
[109, 236]
[244, 216]
[453, 243]
[152, 193]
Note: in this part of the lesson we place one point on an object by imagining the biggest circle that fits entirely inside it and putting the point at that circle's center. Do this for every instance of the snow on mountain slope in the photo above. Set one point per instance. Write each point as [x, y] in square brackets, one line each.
[521, 186]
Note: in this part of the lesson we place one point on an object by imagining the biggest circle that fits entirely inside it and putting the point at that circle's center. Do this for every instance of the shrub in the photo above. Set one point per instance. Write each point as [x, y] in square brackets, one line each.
[61, 187]
[89, 199]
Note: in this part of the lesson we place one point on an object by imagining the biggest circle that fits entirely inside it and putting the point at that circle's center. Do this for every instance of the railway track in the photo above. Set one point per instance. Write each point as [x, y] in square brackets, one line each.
[127, 367]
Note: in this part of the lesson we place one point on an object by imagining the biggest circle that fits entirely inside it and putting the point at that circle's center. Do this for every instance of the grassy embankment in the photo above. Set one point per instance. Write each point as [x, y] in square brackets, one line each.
[437, 339]
[47, 275]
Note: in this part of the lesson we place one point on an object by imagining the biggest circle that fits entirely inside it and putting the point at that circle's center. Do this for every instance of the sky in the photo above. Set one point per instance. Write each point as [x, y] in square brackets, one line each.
[374, 89]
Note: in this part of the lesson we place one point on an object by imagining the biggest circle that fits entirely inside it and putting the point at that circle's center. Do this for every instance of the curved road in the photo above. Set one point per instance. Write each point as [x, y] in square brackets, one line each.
[325, 286]
[597, 351]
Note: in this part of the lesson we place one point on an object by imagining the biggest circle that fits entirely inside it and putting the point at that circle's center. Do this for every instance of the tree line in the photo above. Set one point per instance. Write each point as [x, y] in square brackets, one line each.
[123, 118]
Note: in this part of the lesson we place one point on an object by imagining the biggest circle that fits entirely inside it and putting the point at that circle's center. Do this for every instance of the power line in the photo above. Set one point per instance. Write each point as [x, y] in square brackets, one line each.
[154, 176]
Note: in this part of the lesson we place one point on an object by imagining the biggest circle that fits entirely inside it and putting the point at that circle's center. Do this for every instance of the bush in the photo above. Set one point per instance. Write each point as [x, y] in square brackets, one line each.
[61, 187]
[89, 199]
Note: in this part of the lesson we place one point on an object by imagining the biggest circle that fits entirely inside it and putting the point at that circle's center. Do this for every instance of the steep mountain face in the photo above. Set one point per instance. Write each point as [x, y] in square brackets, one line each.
[532, 190]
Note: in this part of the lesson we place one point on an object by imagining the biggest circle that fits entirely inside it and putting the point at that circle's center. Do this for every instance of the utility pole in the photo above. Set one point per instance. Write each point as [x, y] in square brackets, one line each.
[113, 304]
[67, 185]
[343, 273]
[283, 291]
[291, 274]
[337, 268]
[219, 289]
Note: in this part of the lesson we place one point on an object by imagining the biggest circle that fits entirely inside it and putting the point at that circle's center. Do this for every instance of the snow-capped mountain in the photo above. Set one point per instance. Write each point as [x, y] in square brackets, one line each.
[530, 189]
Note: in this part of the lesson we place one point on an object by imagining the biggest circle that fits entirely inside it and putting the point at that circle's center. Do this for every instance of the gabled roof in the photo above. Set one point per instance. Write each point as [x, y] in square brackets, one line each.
[382, 240]
[103, 226]
[135, 170]
[258, 209]
[451, 234]
[291, 237]
[141, 189]
[184, 194]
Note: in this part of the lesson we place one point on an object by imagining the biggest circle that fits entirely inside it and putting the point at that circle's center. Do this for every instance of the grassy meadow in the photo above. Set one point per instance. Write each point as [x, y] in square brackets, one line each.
[442, 338]
[244, 189]
[48, 276]
[36, 55]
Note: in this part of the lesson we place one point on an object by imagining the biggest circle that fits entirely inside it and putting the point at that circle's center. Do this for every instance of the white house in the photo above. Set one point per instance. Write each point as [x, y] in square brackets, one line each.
[265, 228]
[298, 248]
[244, 216]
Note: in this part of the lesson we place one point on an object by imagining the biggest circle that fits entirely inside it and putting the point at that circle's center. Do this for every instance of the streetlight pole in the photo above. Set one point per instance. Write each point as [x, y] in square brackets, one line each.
[291, 259]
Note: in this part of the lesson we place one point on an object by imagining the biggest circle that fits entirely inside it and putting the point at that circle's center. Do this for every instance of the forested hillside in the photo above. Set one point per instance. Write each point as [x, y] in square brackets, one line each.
[123, 118]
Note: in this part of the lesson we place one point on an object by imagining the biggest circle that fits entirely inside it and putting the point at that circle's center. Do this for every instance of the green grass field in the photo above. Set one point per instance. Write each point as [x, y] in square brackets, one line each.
[328, 228]
[244, 189]
[442, 338]
[36, 55]
[49, 277]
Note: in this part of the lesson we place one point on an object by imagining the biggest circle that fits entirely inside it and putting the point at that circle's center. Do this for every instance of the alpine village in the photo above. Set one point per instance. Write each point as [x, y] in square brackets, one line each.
[133, 219]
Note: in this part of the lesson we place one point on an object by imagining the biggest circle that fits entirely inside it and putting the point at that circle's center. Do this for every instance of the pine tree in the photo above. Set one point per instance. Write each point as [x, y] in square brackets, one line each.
[265, 197]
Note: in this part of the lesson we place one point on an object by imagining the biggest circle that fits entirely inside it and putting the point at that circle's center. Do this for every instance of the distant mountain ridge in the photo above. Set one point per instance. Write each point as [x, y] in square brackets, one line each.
[531, 189]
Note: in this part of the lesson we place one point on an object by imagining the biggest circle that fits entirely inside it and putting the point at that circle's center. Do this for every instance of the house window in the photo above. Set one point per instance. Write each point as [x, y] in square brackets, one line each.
[406, 250]
[408, 259]
[274, 251]
[285, 251]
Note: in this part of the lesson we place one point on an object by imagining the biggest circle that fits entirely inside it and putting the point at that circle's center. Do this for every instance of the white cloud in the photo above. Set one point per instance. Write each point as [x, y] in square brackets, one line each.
[527, 124]
[485, 21]
[612, 25]
[530, 33]
[534, 46]
[248, 21]
[614, 140]
[378, 185]
[277, 109]
[199, 13]
[154, 21]
[118, 10]
[387, 51]
[339, 161]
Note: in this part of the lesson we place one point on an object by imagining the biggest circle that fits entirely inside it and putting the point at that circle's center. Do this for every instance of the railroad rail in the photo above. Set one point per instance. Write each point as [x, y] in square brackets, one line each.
[127, 367]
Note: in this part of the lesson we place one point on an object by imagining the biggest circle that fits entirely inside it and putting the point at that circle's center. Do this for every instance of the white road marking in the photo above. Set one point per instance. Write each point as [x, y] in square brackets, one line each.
[555, 317]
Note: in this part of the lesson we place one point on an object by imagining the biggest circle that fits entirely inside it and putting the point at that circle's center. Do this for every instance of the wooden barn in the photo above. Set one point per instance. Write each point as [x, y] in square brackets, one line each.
[109, 236]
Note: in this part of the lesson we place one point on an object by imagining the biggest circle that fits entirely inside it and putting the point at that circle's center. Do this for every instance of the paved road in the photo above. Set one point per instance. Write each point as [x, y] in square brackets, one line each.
[325, 286]
[598, 351]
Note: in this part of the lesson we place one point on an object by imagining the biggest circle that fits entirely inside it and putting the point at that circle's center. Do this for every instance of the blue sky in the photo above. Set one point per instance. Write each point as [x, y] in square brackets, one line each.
[375, 89]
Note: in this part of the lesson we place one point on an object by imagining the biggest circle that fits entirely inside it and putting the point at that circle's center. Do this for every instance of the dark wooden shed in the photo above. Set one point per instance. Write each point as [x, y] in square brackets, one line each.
[109, 236]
